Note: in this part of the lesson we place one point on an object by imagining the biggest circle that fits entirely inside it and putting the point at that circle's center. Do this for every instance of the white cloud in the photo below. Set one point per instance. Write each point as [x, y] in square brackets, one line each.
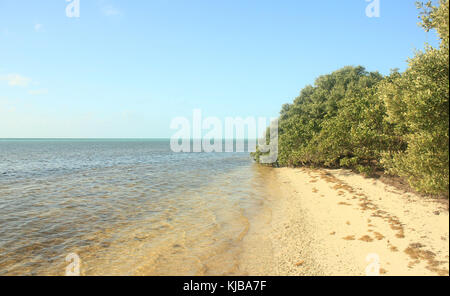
[16, 80]
[38, 27]
[37, 92]
[109, 10]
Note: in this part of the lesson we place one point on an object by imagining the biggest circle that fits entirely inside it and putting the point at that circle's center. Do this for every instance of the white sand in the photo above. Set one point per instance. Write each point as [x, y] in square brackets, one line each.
[326, 222]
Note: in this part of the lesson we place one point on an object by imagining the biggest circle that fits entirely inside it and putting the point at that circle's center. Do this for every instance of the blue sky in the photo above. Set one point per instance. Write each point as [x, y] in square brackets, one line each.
[125, 69]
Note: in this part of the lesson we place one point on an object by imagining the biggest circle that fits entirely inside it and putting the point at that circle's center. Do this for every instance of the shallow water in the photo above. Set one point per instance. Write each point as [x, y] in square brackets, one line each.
[125, 207]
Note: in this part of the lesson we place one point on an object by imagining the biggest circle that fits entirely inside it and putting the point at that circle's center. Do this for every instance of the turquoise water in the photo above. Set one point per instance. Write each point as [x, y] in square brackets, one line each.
[125, 207]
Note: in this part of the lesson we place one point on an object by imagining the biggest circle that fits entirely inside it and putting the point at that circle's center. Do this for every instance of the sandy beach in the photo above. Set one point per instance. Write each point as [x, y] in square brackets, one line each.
[336, 222]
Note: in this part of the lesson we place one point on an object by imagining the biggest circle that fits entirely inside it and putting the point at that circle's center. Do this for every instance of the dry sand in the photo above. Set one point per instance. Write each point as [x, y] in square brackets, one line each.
[327, 222]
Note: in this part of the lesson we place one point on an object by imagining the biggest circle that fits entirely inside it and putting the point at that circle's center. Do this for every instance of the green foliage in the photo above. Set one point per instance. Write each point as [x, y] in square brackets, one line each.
[257, 154]
[357, 119]
[333, 122]
[435, 17]
[418, 104]
[357, 136]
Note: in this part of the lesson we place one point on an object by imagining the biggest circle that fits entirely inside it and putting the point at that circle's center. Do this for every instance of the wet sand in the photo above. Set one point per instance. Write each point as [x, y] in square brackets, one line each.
[336, 222]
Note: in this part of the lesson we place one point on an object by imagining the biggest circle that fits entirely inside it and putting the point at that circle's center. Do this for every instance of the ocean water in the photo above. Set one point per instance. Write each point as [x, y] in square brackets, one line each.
[125, 207]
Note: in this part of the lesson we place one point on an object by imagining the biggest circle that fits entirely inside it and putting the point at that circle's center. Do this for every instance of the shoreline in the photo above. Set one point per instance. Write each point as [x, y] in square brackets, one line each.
[323, 222]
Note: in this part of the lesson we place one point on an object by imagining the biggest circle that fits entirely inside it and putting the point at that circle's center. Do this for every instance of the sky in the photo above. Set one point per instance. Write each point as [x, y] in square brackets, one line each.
[126, 69]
